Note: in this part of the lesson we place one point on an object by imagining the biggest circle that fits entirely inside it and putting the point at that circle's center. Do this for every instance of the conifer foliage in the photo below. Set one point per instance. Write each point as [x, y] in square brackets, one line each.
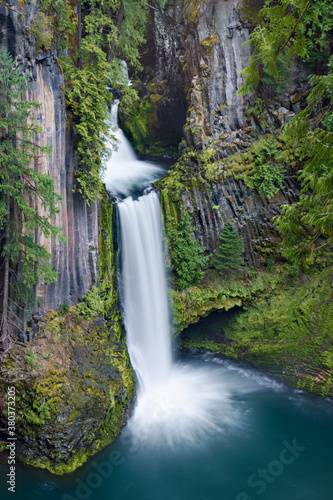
[22, 189]
[188, 259]
[228, 256]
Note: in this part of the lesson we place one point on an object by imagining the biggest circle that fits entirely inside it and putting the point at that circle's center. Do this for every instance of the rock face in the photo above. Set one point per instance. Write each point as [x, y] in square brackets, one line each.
[212, 204]
[196, 49]
[76, 260]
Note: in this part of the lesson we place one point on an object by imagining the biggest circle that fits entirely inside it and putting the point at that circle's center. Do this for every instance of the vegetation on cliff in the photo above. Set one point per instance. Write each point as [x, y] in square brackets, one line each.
[286, 30]
[302, 147]
[188, 262]
[108, 33]
[22, 189]
[228, 256]
[285, 329]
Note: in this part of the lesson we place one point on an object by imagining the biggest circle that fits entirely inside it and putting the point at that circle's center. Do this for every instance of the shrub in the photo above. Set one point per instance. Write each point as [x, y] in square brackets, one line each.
[42, 31]
[63, 308]
[91, 304]
[268, 169]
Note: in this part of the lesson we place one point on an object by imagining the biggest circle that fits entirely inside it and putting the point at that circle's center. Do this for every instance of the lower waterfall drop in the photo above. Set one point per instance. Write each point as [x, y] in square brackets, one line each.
[174, 400]
[145, 296]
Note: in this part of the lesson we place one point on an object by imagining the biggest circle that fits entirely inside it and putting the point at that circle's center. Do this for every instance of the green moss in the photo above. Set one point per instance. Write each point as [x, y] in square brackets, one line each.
[217, 293]
[209, 42]
[141, 124]
[201, 169]
[192, 9]
[77, 408]
[287, 331]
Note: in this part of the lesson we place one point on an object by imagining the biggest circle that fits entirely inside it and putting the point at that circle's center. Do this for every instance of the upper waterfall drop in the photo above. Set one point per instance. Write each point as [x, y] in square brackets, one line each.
[124, 173]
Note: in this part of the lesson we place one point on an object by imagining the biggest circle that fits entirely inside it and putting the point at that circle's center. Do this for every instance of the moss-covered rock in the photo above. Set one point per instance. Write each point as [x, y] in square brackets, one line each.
[288, 332]
[215, 192]
[148, 123]
[74, 389]
[217, 292]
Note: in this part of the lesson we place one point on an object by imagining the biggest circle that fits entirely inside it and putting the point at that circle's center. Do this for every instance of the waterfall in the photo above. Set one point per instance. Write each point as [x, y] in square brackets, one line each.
[124, 173]
[144, 285]
[175, 400]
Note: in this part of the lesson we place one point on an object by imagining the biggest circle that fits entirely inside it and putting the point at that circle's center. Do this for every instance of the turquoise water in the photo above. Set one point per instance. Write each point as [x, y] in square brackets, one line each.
[269, 443]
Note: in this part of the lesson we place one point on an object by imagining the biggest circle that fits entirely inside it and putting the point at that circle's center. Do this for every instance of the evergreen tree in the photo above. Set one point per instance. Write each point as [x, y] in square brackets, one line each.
[188, 260]
[302, 29]
[22, 188]
[228, 256]
[307, 225]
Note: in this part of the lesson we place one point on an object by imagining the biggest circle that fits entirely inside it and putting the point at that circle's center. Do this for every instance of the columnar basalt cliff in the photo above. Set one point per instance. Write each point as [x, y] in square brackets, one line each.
[76, 260]
[212, 205]
[192, 60]
[198, 47]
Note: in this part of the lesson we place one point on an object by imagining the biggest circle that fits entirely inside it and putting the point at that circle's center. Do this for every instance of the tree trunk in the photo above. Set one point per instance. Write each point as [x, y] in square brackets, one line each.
[4, 319]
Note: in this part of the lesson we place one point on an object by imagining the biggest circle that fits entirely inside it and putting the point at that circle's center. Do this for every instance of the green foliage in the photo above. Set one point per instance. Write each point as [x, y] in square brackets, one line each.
[216, 292]
[41, 28]
[188, 260]
[62, 19]
[39, 415]
[270, 264]
[23, 187]
[31, 358]
[228, 256]
[268, 169]
[318, 24]
[285, 330]
[328, 122]
[277, 40]
[63, 308]
[258, 112]
[286, 30]
[278, 79]
[112, 31]
[307, 226]
[91, 304]
[162, 4]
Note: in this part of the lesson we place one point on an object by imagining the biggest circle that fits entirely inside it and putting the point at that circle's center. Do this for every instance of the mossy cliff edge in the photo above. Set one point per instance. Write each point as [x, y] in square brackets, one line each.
[74, 382]
[286, 330]
[275, 321]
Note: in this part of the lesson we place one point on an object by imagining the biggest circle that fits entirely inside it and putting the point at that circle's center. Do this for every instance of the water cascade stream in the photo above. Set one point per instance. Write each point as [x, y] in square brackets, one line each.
[145, 297]
[174, 401]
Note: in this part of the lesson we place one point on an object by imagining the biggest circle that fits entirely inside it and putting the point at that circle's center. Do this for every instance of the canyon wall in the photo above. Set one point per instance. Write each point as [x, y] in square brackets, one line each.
[76, 260]
[198, 47]
[192, 59]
